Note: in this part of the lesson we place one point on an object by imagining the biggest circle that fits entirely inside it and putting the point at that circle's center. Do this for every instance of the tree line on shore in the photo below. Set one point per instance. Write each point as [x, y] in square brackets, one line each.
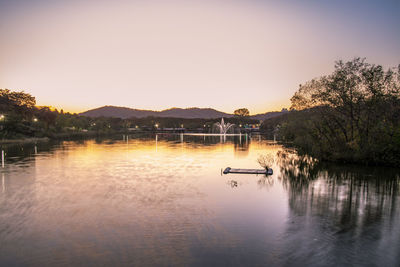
[21, 118]
[350, 115]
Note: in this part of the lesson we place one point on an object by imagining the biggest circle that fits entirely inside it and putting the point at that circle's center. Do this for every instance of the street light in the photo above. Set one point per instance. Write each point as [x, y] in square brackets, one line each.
[35, 120]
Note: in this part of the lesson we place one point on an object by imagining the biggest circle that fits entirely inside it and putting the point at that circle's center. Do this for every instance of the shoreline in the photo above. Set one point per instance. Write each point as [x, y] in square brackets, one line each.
[30, 140]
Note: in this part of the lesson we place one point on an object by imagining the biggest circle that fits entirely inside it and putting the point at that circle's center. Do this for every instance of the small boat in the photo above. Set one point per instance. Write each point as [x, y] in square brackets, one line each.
[248, 171]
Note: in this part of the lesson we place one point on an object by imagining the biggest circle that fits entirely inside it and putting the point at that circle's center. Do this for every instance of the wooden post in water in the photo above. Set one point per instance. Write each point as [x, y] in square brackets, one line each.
[35, 149]
[2, 158]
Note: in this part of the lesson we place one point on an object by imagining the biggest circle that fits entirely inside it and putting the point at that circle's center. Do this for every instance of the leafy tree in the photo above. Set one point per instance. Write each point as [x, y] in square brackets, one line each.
[242, 112]
[11, 98]
[18, 103]
[352, 114]
[47, 116]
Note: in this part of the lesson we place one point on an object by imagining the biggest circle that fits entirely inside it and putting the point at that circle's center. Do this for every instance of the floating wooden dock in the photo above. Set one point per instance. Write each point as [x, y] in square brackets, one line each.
[248, 171]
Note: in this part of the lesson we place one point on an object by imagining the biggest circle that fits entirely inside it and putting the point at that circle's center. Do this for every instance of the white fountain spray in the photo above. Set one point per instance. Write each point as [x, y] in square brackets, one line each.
[223, 127]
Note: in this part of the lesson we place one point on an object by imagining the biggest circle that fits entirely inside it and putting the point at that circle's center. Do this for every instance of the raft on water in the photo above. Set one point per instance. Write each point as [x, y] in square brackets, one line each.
[248, 171]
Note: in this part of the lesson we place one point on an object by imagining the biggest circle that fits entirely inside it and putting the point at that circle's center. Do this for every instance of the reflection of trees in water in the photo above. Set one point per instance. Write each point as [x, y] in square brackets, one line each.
[296, 172]
[350, 210]
[266, 181]
[241, 146]
[194, 139]
[17, 152]
[323, 187]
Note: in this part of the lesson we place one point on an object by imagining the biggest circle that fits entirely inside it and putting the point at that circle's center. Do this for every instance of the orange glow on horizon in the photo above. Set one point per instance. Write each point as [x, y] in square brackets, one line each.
[154, 55]
[253, 111]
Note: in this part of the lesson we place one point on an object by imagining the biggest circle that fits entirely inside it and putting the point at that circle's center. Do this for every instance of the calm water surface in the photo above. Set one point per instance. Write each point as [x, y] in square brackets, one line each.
[165, 202]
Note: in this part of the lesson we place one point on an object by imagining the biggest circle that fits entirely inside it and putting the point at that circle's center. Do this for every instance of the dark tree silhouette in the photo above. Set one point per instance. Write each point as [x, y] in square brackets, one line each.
[242, 112]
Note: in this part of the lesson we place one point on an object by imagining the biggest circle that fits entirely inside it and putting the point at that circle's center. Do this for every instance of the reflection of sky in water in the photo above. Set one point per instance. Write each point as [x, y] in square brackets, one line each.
[142, 202]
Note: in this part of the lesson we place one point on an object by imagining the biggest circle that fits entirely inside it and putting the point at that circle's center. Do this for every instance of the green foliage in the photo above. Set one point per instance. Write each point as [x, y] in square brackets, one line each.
[10, 99]
[21, 118]
[351, 115]
[242, 112]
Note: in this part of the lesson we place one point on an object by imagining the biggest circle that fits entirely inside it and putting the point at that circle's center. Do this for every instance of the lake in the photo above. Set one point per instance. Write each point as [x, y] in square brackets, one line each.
[164, 201]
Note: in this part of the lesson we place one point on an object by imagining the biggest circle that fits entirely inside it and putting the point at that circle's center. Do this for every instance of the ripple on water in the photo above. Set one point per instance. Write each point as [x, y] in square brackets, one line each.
[109, 203]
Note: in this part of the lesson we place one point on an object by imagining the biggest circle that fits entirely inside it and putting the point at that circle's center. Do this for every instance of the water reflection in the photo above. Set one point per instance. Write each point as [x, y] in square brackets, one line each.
[265, 181]
[232, 183]
[242, 146]
[340, 214]
[147, 201]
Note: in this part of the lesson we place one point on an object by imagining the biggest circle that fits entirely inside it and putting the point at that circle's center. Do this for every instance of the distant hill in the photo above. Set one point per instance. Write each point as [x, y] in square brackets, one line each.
[187, 113]
[124, 113]
[117, 112]
[194, 113]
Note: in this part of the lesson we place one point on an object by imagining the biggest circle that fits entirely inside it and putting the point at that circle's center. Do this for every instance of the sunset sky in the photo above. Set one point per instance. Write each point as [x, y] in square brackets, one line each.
[78, 55]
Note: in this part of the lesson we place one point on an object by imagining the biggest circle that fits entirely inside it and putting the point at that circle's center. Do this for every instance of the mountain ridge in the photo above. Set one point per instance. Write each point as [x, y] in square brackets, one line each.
[184, 113]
